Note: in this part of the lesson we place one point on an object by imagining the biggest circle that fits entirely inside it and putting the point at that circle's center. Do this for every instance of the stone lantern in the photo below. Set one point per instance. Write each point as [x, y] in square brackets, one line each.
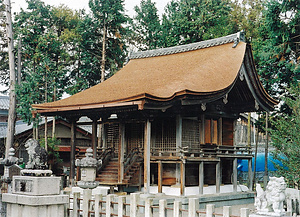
[88, 168]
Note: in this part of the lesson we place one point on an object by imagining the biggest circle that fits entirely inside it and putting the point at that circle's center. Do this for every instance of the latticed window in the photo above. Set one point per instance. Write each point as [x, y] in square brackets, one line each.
[190, 133]
[134, 134]
[112, 133]
[164, 134]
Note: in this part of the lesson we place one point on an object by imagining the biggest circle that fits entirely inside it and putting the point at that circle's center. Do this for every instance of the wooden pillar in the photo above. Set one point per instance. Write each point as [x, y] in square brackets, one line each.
[178, 144]
[234, 175]
[72, 153]
[201, 177]
[250, 174]
[160, 172]
[104, 135]
[218, 177]
[121, 152]
[46, 133]
[182, 177]
[94, 137]
[147, 146]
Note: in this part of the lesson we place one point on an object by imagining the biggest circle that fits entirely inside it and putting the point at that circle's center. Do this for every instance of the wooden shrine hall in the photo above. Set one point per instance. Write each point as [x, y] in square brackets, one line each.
[168, 116]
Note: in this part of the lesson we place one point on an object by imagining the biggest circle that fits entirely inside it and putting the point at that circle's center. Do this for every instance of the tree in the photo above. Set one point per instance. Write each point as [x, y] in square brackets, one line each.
[109, 16]
[146, 26]
[188, 21]
[12, 81]
[247, 15]
[286, 139]
[45, 55]
[276, 50]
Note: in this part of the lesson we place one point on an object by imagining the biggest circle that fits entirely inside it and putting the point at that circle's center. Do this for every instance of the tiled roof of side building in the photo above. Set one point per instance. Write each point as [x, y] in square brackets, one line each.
[4, 102]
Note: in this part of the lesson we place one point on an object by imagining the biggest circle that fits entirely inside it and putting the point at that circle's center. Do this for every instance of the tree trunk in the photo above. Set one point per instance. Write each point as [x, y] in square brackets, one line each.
[12, 93]
[19, 62]
[53, 126]
[103, 54]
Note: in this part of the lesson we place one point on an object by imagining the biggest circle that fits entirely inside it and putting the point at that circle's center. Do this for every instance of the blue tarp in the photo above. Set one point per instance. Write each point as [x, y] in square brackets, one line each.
[260, 163]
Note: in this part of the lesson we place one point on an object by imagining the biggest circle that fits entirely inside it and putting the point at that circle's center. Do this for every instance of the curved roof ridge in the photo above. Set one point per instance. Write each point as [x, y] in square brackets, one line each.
[236, 38]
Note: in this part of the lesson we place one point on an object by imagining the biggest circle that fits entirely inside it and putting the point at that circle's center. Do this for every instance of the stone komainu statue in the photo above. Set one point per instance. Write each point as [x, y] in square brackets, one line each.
[37, 155]
[271, 200]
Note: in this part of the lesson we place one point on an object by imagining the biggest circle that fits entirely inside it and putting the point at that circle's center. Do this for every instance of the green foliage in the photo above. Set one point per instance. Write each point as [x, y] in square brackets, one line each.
[188, 21]
[247, 15]
[276, 49]
[45, 55]
[286, 139]
[53, 154]
[146, 26]
[4, 73]
[87, 70]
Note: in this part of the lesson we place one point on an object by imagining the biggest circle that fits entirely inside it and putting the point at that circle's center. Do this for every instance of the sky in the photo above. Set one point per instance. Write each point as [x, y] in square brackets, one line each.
[83, 4]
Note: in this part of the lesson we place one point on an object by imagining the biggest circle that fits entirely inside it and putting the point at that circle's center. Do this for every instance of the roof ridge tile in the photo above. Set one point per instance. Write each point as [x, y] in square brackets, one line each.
[236, 38]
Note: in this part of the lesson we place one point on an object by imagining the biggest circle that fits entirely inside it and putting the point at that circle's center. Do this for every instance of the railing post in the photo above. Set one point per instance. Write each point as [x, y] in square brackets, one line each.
[109, 205]
[148, 208]
[245, 212]
[289, 205]
[227, 211]
[134, 200]
[87, 194]
[210, 210]
[98, 207]
[121, 206]
[193, 206]
[67, 206]
[176, 208]
[162, 208]
[76, 204]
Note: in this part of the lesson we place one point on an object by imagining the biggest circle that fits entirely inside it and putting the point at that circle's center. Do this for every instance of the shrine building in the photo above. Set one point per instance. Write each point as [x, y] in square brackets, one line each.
[168, 116]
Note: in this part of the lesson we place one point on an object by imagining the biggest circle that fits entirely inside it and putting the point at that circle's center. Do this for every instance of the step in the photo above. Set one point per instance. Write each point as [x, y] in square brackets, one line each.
[106, 172]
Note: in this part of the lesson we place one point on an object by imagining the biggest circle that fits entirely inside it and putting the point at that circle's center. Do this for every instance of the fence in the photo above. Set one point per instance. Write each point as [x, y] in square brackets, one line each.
[134, 205]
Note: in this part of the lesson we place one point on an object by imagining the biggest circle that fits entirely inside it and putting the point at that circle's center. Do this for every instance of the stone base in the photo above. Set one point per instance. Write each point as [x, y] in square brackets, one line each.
[35, 206]
[87, 184]
[269, 214]
[32, 185]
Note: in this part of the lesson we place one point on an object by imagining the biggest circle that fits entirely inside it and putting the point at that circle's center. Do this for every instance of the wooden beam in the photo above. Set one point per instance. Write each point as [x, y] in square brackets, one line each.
[201, 177]
[202, 129]
[250, 176]
[94, 138]
[218, 177]
[234, 175]
[182, 177]
[220, 127]
[72, 153]
[121, 152]
[147, 146]
[178, 144]
[104, 136]
[160, 173]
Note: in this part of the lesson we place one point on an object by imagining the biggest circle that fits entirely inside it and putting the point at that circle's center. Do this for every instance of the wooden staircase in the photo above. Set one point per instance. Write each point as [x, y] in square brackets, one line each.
[109, 174]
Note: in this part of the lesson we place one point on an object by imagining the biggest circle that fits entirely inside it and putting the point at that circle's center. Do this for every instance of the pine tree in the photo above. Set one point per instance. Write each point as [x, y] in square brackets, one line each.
[286, 139]
[276, 50]
[188, 21]
[146, 26]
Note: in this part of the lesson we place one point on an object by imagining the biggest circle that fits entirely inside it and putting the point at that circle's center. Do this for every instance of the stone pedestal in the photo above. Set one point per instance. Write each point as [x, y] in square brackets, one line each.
[39, 186]
[35, 197]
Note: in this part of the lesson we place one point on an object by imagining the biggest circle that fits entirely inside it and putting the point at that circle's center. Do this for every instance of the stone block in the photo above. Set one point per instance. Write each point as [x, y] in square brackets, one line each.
[30, 185]
[35, 206]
